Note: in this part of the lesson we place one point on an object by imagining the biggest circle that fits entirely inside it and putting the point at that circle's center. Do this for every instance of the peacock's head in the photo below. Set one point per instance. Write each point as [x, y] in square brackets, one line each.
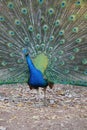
[25, 52]
[40, 61]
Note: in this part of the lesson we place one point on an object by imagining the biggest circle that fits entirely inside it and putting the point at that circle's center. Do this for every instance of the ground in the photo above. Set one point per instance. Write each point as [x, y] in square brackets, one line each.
[66, 108]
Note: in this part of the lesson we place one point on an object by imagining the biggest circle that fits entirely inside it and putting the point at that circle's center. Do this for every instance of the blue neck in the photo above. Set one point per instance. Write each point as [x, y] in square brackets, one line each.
[30, 64]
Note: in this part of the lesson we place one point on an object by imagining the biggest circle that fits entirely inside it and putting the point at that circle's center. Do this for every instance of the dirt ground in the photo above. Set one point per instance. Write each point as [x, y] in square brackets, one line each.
[20, 109]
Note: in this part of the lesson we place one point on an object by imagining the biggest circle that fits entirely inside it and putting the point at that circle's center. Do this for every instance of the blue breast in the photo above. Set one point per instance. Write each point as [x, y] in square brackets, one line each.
[36, 77]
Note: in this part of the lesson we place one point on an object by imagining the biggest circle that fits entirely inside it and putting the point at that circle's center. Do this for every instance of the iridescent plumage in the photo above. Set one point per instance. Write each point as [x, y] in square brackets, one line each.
[36, 78]
[53, 32]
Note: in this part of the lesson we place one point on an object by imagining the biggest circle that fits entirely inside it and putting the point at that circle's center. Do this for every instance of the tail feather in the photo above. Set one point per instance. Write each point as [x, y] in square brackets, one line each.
[54, 29]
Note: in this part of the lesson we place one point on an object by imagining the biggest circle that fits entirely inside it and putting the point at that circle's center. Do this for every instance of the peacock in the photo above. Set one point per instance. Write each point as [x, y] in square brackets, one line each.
[43, 42]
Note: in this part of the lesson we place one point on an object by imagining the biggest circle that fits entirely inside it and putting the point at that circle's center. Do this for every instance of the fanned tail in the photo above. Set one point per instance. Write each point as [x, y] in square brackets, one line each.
[55, 35]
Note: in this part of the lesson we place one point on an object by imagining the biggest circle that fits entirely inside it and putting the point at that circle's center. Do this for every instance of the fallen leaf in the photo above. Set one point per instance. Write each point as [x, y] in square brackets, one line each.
[20, 104]
[14, 117]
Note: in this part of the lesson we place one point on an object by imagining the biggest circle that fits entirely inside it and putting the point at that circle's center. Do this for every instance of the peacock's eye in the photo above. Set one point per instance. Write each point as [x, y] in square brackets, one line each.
[11, 69]
[38, 36]
[10, 5]
[2, 19]
[75, 30]
[24, 11]
[62, 41]
[51, 38]
[45, 27]
[72, 18]
[76, 68]
[42, 19]
[30, 28]
[20, 61]
[3, 63]
[85, 72]
[50, 48]
[57, 23]
[62, 63]
[66, 71]
[76, 50]
[79, 40]
[26, 39]
[71, 57]
[10, 45]
[41, 1]
[63, 4]
[60, 52]
[61, 32]
[72, 82]
[37, 47]
[84, 61]
[85, 16]
[78, 3]
[12, 54]
[17, 22]
[11, 33]
[51, 11]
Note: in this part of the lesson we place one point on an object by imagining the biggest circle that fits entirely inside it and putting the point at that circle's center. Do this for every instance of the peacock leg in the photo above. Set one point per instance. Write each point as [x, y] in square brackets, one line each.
[38, 96]
[45, 100]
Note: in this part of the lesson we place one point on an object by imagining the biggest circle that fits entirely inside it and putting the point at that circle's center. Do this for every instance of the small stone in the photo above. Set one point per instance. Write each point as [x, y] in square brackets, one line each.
[69, 95]
[51, 101]
[20, 104]
[36, 117]
[2, 98]
[2, 128]
[54, 117]
[23, 126]
[6, 100]
[61, 92]
[12, 118]
[62, 125]
[1, 119]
